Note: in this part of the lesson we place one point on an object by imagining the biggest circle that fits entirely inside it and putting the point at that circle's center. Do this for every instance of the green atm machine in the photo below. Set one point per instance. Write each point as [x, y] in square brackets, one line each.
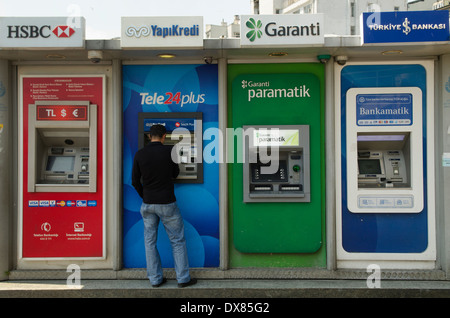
[276, 165]
[277, 185]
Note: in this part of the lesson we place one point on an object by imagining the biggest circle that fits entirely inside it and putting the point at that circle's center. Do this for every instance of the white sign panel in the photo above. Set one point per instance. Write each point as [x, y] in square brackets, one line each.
[378, 115]
[162, 32]
[275, 137]
[42, 32]
[282, 30]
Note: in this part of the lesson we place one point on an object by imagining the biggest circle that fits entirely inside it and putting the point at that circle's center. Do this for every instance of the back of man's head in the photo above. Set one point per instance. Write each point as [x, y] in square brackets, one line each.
[157, 131]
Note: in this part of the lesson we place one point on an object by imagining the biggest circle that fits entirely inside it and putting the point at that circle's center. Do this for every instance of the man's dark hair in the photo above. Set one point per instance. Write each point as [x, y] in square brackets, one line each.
[157, 131]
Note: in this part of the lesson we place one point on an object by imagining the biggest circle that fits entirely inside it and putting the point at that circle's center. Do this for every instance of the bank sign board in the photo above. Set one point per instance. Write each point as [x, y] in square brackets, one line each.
[282, 30]
[162, 32]
[405, 26]
[42, 32]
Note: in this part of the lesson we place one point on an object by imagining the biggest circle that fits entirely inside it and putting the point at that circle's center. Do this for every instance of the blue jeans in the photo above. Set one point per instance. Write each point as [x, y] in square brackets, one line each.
[170, 216]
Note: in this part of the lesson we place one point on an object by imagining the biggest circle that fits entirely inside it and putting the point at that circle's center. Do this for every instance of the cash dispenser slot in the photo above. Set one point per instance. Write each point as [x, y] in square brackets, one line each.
[291, 187]
[261, 187]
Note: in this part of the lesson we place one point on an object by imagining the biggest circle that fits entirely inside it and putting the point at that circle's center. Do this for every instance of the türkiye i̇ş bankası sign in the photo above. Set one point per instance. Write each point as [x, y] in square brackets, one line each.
[282, 30]
[162, 32]
[408, 26]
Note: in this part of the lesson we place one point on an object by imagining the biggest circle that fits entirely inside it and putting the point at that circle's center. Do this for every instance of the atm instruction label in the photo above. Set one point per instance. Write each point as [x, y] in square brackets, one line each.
[384, 109]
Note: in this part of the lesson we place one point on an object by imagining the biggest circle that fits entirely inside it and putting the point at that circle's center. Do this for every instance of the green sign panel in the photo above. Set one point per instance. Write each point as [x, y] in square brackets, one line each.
[278, 234]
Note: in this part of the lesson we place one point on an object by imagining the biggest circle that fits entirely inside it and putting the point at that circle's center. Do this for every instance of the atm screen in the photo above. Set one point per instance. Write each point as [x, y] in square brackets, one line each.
[60, 163]
[369, 166]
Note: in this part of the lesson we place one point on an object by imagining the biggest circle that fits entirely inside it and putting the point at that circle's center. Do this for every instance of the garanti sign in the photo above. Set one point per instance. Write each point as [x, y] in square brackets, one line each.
[405, 26]
[162, 32]
[282, 30]
[42, 32]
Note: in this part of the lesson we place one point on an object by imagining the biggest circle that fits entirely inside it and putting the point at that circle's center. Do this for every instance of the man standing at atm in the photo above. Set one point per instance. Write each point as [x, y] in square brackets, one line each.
[152, 177]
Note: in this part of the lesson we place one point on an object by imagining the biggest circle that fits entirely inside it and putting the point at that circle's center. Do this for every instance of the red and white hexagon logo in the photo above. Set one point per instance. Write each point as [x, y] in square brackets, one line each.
[63, 31]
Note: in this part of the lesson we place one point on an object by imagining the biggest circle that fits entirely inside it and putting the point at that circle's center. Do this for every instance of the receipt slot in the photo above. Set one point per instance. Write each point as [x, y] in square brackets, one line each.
[384, 150]
[276, 164]
[184, 134]
[62, 146]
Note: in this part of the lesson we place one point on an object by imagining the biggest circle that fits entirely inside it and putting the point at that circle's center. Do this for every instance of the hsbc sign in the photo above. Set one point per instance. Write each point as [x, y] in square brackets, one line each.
[42, 32]
[33, 31]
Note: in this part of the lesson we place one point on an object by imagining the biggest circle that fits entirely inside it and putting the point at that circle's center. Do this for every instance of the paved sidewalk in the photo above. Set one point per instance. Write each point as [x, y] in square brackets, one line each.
[210, 288]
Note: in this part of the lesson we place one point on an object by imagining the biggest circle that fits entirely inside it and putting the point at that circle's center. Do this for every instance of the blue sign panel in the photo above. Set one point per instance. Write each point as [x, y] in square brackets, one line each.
[382, 232]
[384, 109]
[166, 89]
[405, 26]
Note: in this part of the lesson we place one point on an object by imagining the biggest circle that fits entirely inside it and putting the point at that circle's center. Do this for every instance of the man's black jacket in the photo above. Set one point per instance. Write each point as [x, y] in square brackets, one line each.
[154, 164]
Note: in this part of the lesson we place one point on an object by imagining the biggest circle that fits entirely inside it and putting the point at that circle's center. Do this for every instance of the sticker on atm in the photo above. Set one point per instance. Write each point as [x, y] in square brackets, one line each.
[170, 123]
[384, 109]
[44, 203]
[81, 203]
[275, 137]
[33, 203]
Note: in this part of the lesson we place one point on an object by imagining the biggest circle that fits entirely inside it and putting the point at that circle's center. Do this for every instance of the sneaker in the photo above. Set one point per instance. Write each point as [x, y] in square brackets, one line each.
[193, 281]
[162, 282]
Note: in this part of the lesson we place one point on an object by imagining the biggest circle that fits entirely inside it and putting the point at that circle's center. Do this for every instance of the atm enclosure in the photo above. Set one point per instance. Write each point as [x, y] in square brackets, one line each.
[184, 133]
[62, 146]
[276, 163]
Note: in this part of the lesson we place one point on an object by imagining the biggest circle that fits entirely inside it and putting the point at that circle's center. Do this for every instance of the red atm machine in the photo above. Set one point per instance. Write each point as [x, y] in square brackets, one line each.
[62, 207]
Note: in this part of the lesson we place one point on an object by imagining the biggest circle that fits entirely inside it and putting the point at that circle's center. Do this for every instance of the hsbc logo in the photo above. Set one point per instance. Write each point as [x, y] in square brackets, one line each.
[63, 31]
[34, 31]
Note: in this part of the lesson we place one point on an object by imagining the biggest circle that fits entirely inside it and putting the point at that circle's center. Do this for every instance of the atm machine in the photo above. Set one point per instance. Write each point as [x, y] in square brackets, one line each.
[184, 135]
[62, 147]
[276, 166]
[384, 150]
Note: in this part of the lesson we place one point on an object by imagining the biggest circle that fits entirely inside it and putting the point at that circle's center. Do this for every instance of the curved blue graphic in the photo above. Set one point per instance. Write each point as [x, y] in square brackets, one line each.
[197, 86]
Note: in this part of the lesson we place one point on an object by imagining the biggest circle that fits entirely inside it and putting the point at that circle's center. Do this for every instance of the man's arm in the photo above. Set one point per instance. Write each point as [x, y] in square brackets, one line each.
[175, 170]
[136, 178]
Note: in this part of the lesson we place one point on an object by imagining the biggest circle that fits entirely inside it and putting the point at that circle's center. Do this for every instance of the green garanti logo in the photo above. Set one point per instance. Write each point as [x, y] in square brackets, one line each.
[254, 27]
